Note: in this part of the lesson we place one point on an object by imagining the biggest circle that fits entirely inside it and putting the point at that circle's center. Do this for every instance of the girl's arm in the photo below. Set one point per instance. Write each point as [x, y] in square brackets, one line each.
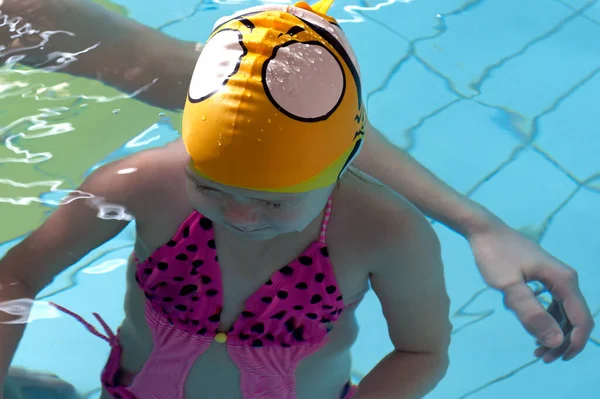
[408, 278]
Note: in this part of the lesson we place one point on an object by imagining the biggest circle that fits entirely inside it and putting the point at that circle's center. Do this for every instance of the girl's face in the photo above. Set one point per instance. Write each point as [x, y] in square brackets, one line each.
[256, 215]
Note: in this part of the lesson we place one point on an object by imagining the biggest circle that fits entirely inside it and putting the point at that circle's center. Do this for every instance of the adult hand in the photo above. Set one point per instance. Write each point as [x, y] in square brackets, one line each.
[54, 33]
[82, 38]
[507, 261]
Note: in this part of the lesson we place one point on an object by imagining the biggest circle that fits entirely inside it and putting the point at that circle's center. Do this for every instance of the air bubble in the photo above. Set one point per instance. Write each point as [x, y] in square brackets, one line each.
[318, 50]
[116, 111]
[268, 120]
[162, 114]
[203, 117]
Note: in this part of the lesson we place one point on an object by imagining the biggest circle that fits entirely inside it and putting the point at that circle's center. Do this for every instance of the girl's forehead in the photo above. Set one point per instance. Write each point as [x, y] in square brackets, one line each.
[242, 192]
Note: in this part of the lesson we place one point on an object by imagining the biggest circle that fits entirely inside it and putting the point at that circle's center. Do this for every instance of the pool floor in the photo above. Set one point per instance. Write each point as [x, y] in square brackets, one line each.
[499, 98]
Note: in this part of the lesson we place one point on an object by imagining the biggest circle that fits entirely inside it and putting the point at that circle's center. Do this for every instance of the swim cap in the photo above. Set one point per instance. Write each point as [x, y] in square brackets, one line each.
[275, 101]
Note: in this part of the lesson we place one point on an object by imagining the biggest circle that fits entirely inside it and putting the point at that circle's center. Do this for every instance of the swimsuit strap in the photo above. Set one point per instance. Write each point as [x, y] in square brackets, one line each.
[110, 336]
[323, 234]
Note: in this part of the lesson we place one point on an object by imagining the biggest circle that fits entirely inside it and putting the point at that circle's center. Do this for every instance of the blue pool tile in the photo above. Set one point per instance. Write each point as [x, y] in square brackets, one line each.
[573, 238]
[576, 4]
[412, 93]
[416, 19]
[488, 349]
[463, 144]
[569, 134]
[594, 12]
[199, 26]
[559, 380]
[161, 11]
[486, 34]
[376, 61]
[525, 191]
[594, 183]
[533, 81]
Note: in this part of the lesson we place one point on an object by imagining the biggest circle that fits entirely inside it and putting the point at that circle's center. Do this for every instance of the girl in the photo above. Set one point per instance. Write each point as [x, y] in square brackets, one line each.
[255, 238]
[506, 259]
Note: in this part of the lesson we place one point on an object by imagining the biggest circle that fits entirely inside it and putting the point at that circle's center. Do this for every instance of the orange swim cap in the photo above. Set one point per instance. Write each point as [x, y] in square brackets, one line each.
[275, 101]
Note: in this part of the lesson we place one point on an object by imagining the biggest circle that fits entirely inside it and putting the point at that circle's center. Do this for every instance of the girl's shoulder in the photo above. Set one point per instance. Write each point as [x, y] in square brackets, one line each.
[368, 216]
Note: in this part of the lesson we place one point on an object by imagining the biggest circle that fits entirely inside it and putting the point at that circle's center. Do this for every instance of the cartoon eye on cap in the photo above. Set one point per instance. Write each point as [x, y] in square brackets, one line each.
[304, 80]
[220, 59]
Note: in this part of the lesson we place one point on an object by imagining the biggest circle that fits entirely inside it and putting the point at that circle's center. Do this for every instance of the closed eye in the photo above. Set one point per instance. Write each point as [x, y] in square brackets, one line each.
[272, 204]
[201, 187]
[204, 188]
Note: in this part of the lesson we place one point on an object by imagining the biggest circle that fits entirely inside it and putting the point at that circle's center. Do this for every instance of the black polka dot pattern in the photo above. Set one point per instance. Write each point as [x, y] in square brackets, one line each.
[205, 223]
[305, 260]
[188, 289]
[298, 304]
[162, 266]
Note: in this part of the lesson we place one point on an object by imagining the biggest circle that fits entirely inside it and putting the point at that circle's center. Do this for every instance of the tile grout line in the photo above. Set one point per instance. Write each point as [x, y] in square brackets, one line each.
[499, 379]
[411, 132]
[476, 86]
[477, 317]
[173, 22]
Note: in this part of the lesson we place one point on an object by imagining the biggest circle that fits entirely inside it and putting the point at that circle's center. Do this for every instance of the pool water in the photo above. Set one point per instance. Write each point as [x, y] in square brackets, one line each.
[499, 98]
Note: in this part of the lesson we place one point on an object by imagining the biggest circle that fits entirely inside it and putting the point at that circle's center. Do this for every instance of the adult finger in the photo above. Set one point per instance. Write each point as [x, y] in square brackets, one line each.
[564, 286]
[519, 298]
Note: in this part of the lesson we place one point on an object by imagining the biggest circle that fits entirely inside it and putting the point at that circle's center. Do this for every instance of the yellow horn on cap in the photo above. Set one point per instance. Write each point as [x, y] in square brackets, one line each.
[322, 6]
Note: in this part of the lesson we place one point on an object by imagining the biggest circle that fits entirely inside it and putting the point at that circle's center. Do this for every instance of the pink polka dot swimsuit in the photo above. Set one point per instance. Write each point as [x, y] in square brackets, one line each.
[282, 323]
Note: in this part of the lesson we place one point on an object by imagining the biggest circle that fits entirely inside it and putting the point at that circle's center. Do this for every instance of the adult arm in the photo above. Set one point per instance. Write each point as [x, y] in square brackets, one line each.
[107, 46]
[506, 259]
